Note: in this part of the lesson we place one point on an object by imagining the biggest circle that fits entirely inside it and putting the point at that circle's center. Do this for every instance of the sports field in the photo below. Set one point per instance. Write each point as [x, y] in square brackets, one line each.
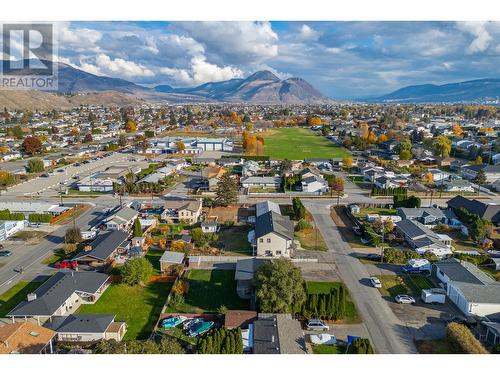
[298, 144]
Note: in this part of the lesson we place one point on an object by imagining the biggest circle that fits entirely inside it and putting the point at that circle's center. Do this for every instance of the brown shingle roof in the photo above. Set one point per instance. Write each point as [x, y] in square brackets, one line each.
[24, 337]
[238, 318]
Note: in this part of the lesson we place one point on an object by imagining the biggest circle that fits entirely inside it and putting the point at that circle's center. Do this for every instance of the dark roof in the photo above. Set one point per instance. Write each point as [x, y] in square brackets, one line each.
[486, 168]
[88, 323]
[274, 222]
[105, 244]
[483, 210]
[265, 336]
[56, 290]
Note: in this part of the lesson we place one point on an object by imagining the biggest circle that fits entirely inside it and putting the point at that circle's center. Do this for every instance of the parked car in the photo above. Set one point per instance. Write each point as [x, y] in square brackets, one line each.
[5, 253]
[374, 257]
[45, 174]
[404, 298]
[375, 282]
[316, 325]
[60, 170]
[67, 264]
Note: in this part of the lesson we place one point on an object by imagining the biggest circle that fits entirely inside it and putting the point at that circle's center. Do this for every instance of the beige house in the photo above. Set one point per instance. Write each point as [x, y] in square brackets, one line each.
[182, 210]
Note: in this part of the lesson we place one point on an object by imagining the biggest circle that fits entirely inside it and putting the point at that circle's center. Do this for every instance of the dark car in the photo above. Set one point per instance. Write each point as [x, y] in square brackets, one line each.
[374, 257]
[5, 253]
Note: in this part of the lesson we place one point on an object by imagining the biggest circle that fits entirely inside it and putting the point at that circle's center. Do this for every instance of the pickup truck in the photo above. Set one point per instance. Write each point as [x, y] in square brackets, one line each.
[68, 264]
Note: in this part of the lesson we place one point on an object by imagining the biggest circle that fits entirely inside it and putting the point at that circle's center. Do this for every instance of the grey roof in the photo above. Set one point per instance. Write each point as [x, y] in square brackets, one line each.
[278, 334]
[172, 257]
[266, 206]
[125, 213]
[245, 268]
[420, 212]
[464, 272]
[274, 222]
[104, 245]
[414, 229]
[483, 210]
[82, 323]
[55, 291]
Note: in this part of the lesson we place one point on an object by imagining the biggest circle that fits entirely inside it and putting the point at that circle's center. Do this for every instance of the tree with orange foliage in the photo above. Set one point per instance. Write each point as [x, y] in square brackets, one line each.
[382, 138]
[429, 178]
[249, 143]
[457, 129]
[313, 120]
[234, 118]
[372, 138]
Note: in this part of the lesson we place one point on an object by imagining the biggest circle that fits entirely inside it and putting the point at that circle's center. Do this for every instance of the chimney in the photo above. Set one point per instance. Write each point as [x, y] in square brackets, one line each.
[31, 297]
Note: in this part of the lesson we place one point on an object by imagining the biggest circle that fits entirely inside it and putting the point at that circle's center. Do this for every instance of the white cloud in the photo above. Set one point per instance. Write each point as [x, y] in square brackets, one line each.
[202, 71]
[482, 37]
[432, 42]
[77, 39]
[307, 33]
[236, 41]
[105, 65]
[334, 50]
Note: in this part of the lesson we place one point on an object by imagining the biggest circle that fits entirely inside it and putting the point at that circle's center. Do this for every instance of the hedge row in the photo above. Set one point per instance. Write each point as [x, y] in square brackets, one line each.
[7, 215]
[376, 191]
[330, 306]
[222, 341]
[40, 218]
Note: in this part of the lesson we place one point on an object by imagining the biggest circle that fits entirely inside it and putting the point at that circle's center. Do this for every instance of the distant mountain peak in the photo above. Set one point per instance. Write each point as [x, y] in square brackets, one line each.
[478, 90]
[263, 75]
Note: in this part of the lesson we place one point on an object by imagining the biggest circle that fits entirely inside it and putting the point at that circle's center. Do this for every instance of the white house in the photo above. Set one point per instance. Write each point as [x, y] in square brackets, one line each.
[10, 227]
[469, 288]
[314, 184]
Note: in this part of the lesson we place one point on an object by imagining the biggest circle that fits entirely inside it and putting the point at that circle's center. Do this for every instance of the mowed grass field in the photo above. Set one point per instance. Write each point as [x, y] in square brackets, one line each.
[298, 144]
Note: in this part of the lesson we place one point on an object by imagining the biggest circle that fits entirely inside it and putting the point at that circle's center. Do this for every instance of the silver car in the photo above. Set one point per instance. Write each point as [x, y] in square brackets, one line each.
[404, 298]
[316, 325]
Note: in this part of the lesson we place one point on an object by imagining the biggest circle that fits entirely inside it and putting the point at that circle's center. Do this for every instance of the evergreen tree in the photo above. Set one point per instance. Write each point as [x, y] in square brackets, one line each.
[137, 228]
[227, 191]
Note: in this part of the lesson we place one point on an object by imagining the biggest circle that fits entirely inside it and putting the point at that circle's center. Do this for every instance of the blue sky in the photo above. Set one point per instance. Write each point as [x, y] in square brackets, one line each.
[341, 59]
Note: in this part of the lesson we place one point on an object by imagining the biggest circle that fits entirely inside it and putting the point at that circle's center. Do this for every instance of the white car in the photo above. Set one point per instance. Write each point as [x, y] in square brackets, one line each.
[316, 325]
[375, 282]
[404, 298]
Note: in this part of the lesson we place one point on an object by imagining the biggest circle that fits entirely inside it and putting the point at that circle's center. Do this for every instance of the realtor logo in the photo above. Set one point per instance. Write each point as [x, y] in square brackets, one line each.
[28, 52]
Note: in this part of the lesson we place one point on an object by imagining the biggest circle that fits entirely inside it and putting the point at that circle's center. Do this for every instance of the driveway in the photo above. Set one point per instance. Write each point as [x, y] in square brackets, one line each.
[388, 334]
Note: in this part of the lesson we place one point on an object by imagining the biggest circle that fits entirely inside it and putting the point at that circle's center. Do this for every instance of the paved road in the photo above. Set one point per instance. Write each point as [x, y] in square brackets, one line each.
[30, 258]
[388, 334]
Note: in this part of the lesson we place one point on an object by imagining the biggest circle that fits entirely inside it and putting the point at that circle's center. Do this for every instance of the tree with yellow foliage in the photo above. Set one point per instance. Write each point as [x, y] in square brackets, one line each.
[372, 138]
[180, 146]
[130, 126]
[347, 161]
[364, 131]
[478, 161]
[429, 178]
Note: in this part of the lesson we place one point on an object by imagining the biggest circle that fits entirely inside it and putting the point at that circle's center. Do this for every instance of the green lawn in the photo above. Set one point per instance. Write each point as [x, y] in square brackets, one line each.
[235, 240]
[393, 285]
[209, 290]
[376, 210]
[138, 306]
[154, 257]
[15, 295]
[328, 349]
[352, 316]
[299, 143]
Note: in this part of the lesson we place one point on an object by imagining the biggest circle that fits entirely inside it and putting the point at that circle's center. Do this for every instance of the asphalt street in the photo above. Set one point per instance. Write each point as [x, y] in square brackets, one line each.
[388, 334]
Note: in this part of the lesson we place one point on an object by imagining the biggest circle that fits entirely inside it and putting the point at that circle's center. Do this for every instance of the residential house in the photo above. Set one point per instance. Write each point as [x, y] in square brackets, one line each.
[239, 318]
[261, 182]
[250, 168]
[422, 239]
[210, 225]
[470, 289]
[486, 211]
[104, 248]
[181, 210]
[245, 270]
[88, 328]
[28, 208]
[26, 338]
[314, 184]
[425, 215]
[121, 219]
[438, 175]
[273, 235]
[458, 185]
[385, 183]
[492, 172]
[62, 294]
[278, 334]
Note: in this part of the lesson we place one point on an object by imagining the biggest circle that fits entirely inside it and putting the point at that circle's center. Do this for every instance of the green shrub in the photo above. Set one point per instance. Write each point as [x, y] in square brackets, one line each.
[40, 218]
[221, 341]
[303, 224]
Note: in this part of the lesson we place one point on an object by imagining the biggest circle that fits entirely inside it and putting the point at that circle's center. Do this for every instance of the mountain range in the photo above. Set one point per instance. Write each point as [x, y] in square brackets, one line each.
[479, 90]
[262, 87]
